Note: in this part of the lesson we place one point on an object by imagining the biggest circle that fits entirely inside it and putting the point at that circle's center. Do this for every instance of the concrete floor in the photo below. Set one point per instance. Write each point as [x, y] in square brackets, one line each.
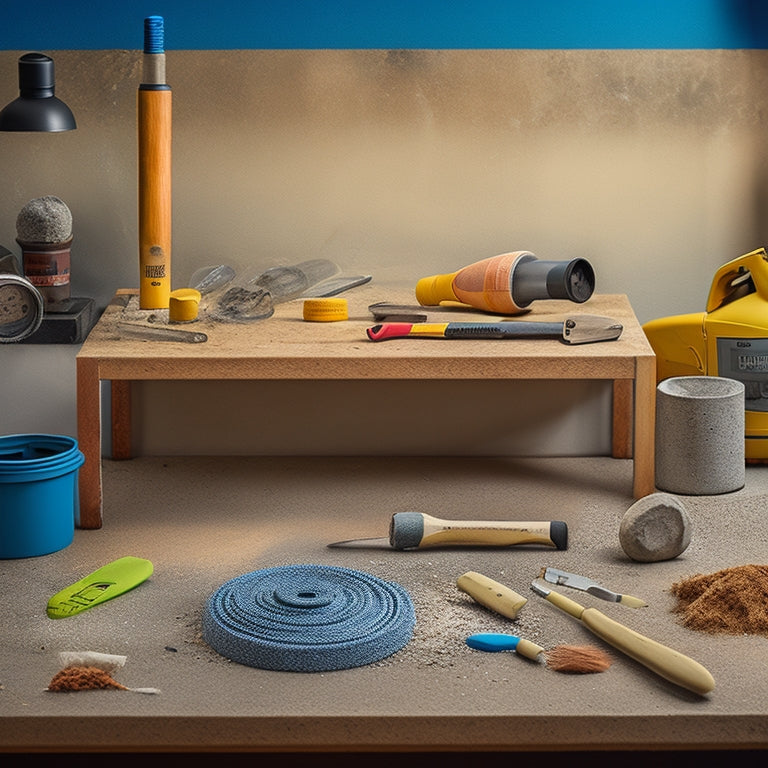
[203, 521]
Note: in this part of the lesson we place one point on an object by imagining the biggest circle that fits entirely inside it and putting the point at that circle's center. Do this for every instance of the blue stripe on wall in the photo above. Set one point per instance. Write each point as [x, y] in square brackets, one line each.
[437, 24]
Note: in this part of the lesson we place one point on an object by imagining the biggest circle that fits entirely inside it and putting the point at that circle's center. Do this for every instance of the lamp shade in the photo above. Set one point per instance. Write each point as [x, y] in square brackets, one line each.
[36, 108]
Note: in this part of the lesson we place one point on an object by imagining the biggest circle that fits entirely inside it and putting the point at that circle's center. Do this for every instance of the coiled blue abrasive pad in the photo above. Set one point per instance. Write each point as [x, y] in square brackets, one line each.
[308, 618]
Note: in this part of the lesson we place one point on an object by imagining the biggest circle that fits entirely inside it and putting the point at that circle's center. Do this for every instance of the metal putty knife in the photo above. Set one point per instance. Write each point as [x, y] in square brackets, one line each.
[335, 285]
[415, 530]
[555, 576]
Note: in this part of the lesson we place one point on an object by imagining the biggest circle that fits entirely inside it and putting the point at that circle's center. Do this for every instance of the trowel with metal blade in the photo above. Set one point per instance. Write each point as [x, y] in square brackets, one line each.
[554, 576]
[415, 530]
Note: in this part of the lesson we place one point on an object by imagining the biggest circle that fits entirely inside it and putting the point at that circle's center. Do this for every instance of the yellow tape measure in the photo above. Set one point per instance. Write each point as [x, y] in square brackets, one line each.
[325, 310]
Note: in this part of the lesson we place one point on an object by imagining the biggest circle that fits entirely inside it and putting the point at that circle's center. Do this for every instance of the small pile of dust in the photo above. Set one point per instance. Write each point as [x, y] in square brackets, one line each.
[133, 312]
[445, 617]
[83, 679]
[732, 601]
[577, 659]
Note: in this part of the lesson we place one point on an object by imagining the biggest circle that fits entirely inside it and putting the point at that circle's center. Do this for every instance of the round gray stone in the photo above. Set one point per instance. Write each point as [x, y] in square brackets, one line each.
[656, 527]
[44, 220]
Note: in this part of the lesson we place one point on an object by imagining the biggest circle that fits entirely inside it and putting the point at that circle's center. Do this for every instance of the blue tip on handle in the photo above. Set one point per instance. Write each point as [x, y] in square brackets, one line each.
[493, 642]
[154, 37]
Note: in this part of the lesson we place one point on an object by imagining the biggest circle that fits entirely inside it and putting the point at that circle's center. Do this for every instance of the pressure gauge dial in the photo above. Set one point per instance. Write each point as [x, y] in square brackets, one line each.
[21, 308]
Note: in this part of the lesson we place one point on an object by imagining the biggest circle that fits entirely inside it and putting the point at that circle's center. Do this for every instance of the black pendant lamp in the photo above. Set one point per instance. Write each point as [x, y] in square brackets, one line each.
[36, 108]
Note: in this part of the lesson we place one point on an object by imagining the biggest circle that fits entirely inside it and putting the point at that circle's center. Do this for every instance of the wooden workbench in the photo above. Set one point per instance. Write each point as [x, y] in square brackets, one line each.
[285, 347]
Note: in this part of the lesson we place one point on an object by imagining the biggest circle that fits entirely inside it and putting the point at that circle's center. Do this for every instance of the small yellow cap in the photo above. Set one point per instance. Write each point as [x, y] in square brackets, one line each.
[325, 310]
[183, 305]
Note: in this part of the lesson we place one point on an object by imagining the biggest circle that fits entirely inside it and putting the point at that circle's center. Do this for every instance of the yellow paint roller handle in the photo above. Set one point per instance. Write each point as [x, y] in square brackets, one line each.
[670, 664]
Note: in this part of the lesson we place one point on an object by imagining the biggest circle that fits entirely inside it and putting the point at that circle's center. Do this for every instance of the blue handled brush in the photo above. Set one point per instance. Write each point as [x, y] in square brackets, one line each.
[494, 642]
[574, 659]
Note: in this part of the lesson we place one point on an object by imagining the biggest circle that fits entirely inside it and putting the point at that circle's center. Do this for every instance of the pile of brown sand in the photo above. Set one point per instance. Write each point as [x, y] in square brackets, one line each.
[733, 601]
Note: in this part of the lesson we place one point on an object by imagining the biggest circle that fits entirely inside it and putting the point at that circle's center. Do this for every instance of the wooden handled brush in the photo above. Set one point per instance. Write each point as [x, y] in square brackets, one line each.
[154, 134]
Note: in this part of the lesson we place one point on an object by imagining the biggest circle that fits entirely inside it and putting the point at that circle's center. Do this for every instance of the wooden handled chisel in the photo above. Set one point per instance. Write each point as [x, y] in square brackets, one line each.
[416, 530]
[579, 329]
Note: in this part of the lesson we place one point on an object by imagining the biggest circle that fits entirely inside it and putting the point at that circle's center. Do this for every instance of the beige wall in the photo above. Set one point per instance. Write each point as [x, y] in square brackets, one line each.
[401, 164]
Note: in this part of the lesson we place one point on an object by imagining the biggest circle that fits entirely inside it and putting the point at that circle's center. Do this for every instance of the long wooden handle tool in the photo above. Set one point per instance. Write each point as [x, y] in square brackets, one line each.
[154, 134]
[664, 661]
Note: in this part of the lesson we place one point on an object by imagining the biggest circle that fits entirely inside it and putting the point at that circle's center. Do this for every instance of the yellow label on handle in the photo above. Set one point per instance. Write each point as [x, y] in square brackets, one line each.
[428, 329]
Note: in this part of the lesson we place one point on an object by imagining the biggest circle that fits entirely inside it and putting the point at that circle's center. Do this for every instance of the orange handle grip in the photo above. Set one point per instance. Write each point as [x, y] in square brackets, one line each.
[154, 128]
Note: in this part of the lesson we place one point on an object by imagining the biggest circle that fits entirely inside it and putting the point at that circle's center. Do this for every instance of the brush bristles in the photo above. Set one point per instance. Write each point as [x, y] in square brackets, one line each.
[577, 659]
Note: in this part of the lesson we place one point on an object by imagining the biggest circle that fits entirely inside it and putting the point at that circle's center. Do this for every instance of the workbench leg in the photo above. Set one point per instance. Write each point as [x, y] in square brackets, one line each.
[89, 442]
[645, 427]
[623, 417]
[121, 420]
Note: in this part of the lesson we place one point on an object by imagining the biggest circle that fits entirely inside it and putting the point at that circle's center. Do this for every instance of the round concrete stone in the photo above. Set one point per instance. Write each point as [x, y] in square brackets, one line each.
[656, 527]
[44, 220]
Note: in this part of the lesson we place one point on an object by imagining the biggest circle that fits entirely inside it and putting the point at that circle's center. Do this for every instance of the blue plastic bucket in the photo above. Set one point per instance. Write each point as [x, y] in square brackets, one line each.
[39, 501]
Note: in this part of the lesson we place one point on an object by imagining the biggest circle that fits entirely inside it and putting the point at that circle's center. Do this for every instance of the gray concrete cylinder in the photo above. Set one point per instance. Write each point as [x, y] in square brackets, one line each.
[700, 435]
